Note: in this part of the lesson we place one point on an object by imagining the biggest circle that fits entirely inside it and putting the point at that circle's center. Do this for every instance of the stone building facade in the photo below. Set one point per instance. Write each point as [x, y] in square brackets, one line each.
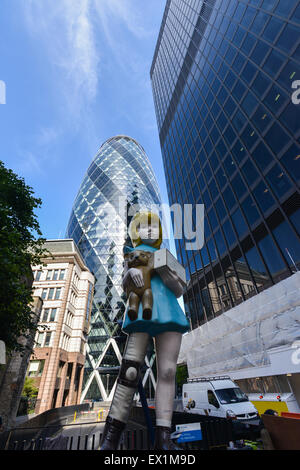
[66, 286]
[12, 374]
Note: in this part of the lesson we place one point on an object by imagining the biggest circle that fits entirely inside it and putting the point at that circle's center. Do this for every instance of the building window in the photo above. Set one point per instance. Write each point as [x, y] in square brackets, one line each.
[276, 138]
[239, 222]
[53, 314]
[65, 342]
[43, 339]
[62, 274]
[262, 156]
[257, 267]
[55, 275]
[288, 242]
[35, 368]
[222, 289]
[229, 197]
[239, 186]
[39, 339]
[229, 233]
[220, 242]
[250, 210]
[288, 38]
[51, 294]
[261, 118]
[57, 293]
[278, 180]
[69, 319]
[46, 312]
[45, 315]
[295, 218]
[38, 275]
[44, 293]
[271, 255]
[263, 197]
[60, 369]
[87, 313]
[272, 29]
[47, 339]
[249, 172]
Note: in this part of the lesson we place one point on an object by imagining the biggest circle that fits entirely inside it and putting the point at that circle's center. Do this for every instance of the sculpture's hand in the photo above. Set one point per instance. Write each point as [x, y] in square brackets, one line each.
[136, 277]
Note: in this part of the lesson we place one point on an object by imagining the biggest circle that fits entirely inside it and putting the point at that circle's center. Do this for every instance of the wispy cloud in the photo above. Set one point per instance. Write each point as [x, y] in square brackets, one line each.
[95, 46]
[37, 159]
[65, 30]
[124, 12]
[76, 34]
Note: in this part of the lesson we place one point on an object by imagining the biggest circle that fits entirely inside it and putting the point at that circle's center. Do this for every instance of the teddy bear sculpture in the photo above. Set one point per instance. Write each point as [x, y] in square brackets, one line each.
[143, 261]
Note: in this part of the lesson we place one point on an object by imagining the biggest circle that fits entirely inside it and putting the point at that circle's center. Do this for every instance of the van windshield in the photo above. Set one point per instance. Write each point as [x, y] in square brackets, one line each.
[231, 395]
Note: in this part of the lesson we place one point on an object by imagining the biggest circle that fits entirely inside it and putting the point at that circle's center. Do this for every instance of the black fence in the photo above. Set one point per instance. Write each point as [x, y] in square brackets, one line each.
[216, 434]
[133, 439]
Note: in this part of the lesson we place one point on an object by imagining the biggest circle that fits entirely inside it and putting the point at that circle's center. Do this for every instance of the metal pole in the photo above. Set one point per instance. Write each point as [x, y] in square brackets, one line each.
[146, 411]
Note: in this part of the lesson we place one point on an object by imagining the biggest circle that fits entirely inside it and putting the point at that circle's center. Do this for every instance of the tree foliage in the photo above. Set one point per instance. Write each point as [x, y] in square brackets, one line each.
[29, 388]
[181, 374]
[21, 246]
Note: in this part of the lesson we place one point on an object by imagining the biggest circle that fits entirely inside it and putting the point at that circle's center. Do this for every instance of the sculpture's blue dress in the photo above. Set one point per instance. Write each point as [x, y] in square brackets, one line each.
[167, 314]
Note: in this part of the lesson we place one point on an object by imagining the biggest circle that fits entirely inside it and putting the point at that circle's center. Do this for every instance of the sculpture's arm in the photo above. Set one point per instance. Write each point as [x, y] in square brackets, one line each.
[172, 281]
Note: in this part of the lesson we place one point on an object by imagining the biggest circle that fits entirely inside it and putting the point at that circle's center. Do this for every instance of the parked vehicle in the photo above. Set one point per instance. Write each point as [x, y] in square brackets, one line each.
[217, 396]
[279, 402]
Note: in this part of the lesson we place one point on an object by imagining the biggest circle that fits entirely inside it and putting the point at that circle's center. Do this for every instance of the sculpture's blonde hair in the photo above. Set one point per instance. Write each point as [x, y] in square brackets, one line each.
[144, 217]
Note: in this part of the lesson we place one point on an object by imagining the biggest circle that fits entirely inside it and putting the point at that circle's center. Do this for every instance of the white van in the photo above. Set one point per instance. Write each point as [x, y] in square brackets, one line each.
[217, 396]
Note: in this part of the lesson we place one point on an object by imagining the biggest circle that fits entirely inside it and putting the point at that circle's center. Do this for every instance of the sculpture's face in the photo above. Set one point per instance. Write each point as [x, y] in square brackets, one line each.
[149, 233]
[138, 258]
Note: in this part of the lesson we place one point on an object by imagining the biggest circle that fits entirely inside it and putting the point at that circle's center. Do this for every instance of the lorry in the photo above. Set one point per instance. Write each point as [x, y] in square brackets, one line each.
[217, 396]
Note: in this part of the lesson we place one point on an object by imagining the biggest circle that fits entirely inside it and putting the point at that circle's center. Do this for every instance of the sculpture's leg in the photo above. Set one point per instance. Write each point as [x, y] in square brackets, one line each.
[133, 306]
[167, 347]
[127, 383]
[147, 302]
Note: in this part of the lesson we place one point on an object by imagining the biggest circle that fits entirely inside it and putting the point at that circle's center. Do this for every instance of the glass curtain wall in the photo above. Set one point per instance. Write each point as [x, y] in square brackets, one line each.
[119, 177]
[224, 78]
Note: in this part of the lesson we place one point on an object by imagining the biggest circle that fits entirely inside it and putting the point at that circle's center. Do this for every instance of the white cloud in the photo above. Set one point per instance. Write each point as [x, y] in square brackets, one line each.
[65, 30]
[123, 11]
[37, 159]
[96, 45]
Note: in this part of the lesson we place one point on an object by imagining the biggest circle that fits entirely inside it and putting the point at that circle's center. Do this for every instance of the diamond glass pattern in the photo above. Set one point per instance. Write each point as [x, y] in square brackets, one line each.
[98, 225]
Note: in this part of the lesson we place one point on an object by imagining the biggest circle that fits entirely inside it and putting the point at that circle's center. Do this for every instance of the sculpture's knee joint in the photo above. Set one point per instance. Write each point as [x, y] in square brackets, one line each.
[167, 374]
[129, 373]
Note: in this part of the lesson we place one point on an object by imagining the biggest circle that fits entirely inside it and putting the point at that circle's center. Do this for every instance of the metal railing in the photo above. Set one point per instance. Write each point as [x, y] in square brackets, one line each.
[131, 440]
[216, 433]
[208, 379]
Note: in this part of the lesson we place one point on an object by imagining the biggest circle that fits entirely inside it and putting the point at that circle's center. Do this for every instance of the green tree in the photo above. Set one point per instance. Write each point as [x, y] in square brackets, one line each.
[181, 375]
[29, 389]
[21, 246]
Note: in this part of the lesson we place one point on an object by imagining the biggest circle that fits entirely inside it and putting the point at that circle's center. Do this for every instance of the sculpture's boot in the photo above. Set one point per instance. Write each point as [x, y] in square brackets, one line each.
[163, 440]
[112, 434]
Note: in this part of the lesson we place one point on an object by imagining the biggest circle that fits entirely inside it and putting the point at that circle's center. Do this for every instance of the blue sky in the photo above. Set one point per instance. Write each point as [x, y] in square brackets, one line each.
[76, 73]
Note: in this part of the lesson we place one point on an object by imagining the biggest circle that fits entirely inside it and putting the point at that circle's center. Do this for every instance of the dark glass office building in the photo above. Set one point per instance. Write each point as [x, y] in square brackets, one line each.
[119, 177]
[224, 78]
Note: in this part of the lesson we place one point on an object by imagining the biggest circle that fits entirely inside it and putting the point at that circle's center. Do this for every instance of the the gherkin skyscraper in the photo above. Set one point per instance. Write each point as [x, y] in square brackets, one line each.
[119, 177]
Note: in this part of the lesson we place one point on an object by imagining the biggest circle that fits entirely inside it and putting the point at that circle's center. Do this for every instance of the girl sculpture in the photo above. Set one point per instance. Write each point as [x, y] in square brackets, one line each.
[166, 324]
